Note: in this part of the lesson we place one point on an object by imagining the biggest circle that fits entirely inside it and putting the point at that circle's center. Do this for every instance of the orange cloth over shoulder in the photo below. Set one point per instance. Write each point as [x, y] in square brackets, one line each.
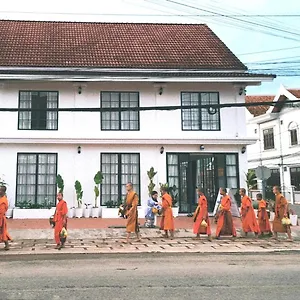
[4, 236]
[201, 213]
[263, 218]
[225, 222]
[132, 201]
[249, 222]
[167, 220]
[59, 219]
[281, 208]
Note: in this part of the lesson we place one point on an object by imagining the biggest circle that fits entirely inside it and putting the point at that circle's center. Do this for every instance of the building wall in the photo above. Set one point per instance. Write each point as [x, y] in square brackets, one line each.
[153, 124]
[284, 155]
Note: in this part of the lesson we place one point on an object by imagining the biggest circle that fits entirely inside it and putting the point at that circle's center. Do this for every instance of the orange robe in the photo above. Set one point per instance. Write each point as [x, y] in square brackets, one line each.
[249, 222]
[59, 219]
[167, 220]
[4, 236]
[132, 201]
[263, 218]
[225, 222]
[281, 208]
[201, 213]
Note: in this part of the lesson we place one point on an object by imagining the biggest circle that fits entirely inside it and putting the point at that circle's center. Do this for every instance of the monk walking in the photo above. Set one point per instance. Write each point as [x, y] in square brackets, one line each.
[224, 221]
[263, 218]
[4, 236]
[249, 222]
[167, 220]
[281, 211]
[200, 216]
[60, 219]
[132, 201]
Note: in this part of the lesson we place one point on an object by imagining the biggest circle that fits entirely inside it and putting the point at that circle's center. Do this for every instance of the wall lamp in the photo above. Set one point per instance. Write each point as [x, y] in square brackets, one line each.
[79, 89]
[202, 147]
[79, 149]
[161, 150]
[242, 91]
[243, 150]
[160, 91]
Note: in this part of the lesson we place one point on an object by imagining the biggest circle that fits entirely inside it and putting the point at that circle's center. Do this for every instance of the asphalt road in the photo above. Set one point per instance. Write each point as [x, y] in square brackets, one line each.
[153, 276]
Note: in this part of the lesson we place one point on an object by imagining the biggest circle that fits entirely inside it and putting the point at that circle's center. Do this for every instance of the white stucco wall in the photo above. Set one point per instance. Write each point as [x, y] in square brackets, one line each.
[153, 124]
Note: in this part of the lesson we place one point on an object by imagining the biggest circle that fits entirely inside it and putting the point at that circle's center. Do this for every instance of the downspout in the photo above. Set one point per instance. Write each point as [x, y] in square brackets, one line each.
[281, 159]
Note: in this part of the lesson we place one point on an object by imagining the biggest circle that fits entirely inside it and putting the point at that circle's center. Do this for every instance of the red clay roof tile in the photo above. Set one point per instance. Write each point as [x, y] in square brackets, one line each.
[295, 92]
[113, 45]
[260, 109]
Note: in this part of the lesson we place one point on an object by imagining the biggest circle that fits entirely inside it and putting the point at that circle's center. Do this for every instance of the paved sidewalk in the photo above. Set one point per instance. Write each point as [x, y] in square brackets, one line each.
[155, 245]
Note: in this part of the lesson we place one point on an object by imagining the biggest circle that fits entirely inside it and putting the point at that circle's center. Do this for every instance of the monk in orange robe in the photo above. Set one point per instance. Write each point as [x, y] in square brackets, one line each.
[4, 236]
[249, 222]
[167, 220]
[281, 211]
[132, 201]
[60, 219]
[263, 218]
[200, 215]
[224, 221]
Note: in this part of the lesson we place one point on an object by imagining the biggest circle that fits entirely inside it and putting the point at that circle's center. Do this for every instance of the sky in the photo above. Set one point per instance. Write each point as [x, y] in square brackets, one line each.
[264, 42]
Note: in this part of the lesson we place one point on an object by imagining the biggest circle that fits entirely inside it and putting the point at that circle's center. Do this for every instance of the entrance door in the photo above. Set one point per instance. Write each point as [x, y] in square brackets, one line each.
[187, 171]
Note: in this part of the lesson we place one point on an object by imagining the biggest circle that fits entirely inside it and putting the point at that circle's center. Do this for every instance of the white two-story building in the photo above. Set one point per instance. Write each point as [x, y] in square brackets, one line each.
[135, 73]
[278, 140]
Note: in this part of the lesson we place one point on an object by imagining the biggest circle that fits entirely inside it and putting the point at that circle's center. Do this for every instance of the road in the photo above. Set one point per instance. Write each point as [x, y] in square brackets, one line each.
[151, 276]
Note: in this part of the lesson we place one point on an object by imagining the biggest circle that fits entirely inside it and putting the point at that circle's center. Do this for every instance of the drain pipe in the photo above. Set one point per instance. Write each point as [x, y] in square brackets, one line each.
[281, 159]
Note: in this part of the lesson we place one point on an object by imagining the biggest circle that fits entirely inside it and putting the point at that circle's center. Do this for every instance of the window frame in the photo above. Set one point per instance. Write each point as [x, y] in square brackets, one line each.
[199, 110]
[120, 111]
[296, 172]
[36, 173]
[38, 91]
[120, 174]
[264, 141]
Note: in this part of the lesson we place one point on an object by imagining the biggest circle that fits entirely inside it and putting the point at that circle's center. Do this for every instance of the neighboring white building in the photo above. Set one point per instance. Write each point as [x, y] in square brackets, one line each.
[278, 139]
[46, 65]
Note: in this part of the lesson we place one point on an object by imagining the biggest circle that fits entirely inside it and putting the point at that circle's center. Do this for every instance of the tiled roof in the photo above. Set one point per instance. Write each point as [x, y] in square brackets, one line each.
[113, 45]
[260, 109]
[295, 92]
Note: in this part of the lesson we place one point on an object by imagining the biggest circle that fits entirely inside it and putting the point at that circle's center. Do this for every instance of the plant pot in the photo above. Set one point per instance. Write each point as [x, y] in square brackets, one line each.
[71, 213]
[294, 220]
[78, 212]
[95, 212]
[108, 212]
[9, 213]
[175, 211]
[87, 212]
[36, 213]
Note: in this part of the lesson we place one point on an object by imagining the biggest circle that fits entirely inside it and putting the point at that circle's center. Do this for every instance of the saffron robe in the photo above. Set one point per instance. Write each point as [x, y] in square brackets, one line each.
[225, 222]
[4, 236]
[132, 201]
[201, 213]
[60, 219]
[167, 220]
[249, 222]
[263, 218]
[281, 208]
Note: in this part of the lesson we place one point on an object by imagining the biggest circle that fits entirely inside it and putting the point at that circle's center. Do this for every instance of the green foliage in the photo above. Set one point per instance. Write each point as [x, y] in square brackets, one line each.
[26, 204]
[79, 192]
[151, 174]
[251, 180]
[60, 183]
[172, 190]
[98, 178]
[2, 182]
[111, 204]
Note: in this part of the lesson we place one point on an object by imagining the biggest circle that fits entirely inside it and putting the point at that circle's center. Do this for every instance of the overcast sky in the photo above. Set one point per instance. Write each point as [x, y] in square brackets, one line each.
[281, 32]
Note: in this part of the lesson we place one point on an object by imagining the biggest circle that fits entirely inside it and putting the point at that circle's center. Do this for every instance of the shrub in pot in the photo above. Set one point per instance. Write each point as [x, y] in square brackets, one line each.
[98, 178]
[79, 194]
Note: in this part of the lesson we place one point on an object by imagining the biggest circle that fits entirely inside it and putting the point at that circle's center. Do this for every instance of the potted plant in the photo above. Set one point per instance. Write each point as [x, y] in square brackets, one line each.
[79, 194]
[98, 178]
[60, 184]
[173, 192]
[151, 174]
[88, 210]
[293, 217]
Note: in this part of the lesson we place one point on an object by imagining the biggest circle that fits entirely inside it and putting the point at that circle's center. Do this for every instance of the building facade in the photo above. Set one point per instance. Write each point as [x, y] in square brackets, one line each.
[278, 144]
[120, 98]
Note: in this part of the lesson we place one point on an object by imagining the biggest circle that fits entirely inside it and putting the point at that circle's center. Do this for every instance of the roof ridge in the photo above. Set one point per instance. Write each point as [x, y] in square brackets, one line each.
[90, 22]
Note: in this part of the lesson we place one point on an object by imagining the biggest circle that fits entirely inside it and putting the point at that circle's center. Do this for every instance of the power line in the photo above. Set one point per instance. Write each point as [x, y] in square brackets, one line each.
[242, 21]
[152, 15]
[268, 51]
[212, 108]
